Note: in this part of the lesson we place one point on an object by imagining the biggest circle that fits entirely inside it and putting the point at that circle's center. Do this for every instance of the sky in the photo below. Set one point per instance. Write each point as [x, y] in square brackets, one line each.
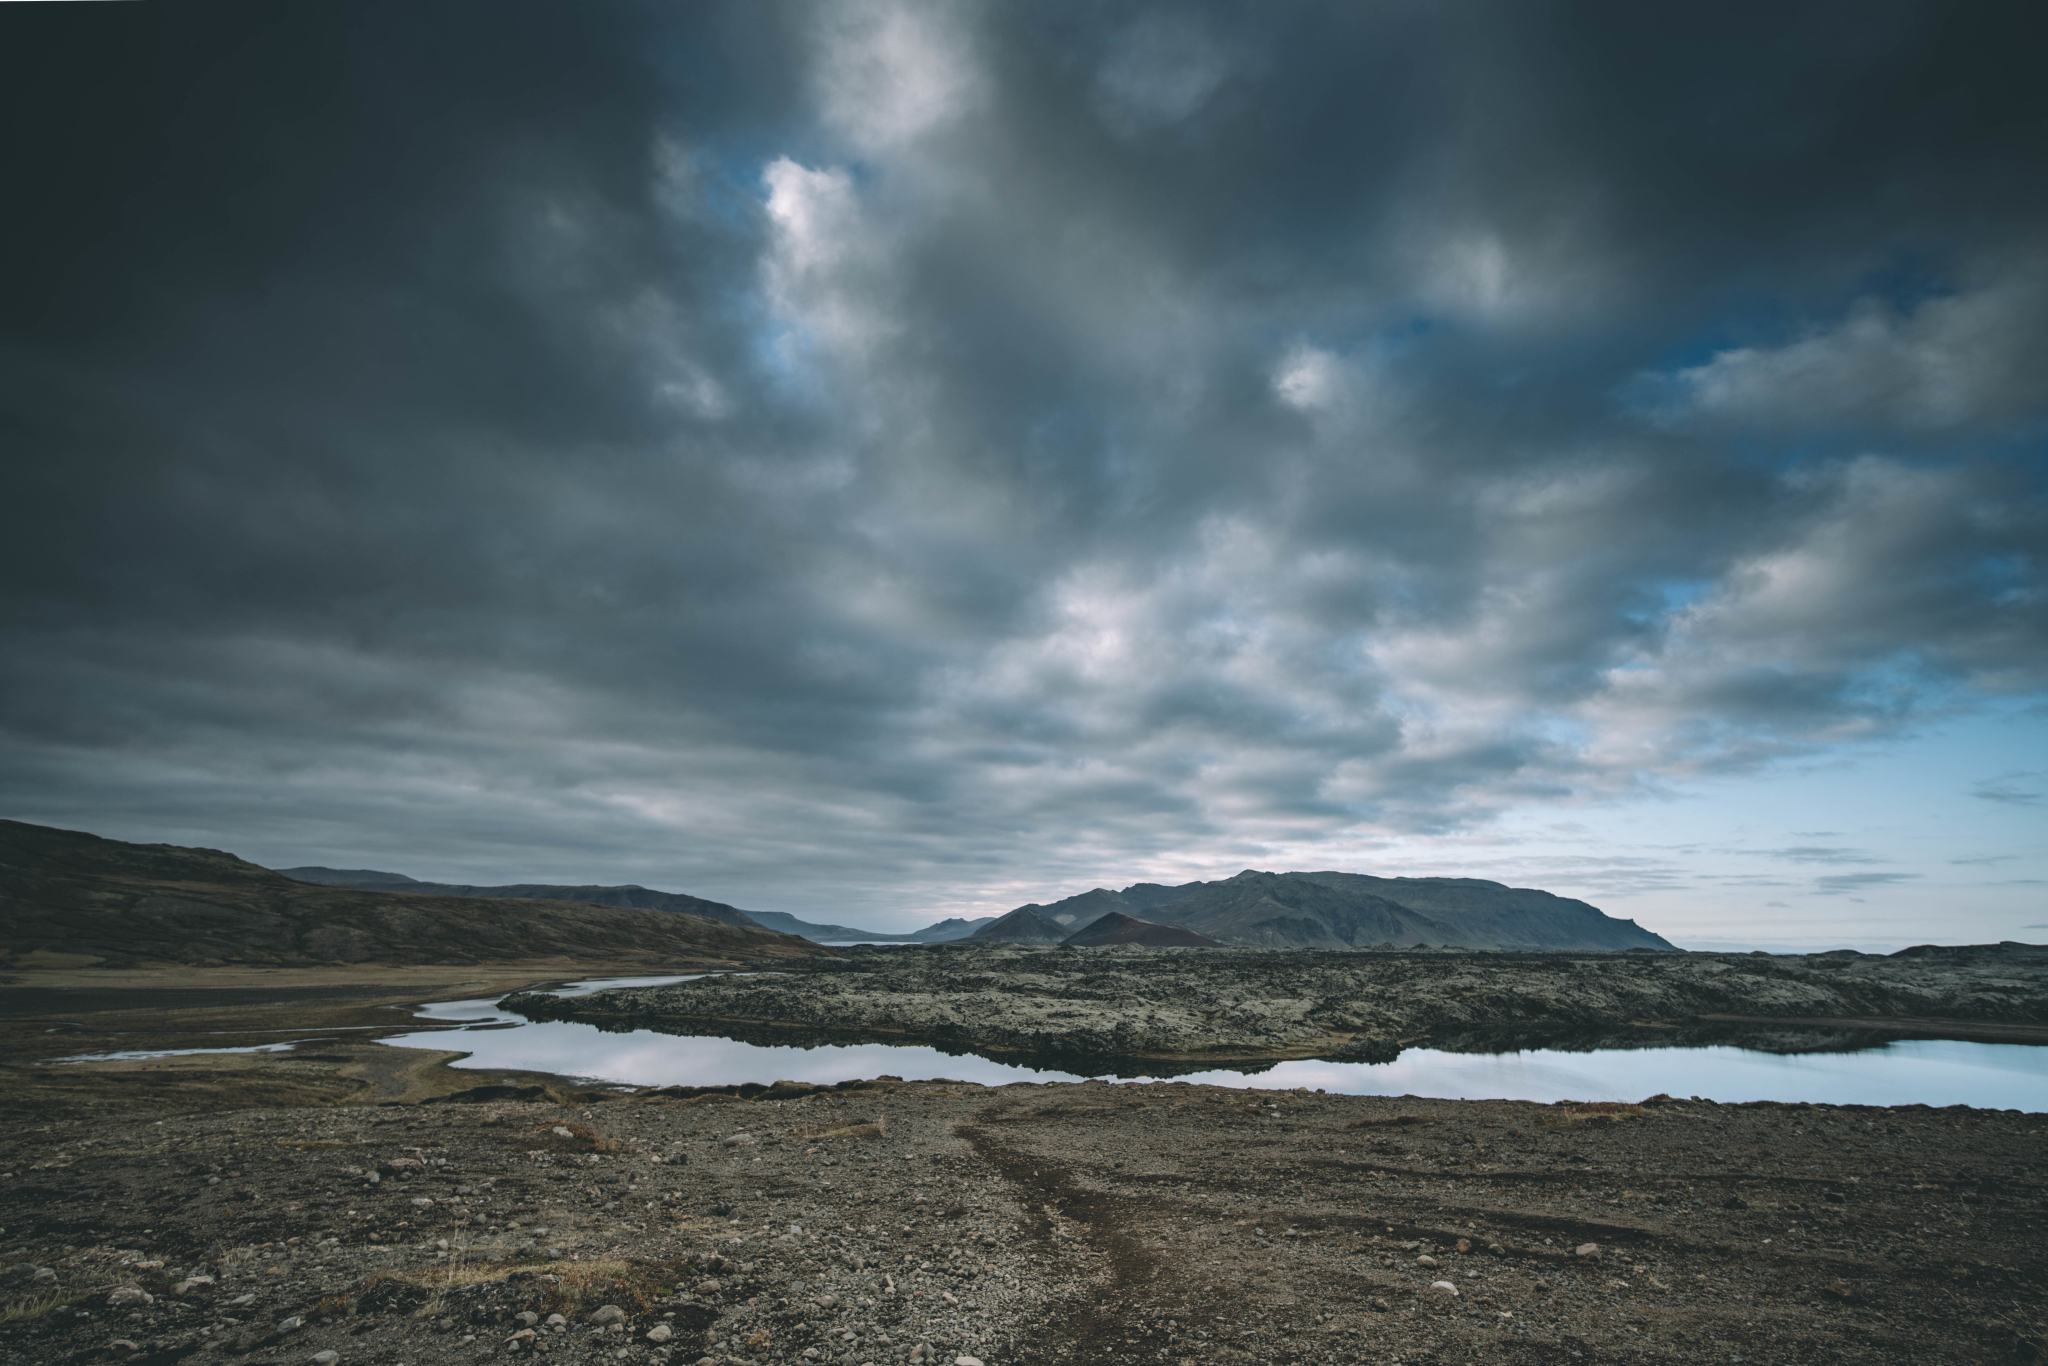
[881, 461]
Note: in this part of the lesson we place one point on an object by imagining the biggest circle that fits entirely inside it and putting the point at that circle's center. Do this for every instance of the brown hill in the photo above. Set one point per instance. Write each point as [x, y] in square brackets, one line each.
[1118, 928]
[69, 896]
[1354, 910]
[1025, 925]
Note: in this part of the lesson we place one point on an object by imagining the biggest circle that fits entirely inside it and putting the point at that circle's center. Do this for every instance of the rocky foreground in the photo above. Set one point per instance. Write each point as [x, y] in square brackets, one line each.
[882, 1222]
[1132, 1011]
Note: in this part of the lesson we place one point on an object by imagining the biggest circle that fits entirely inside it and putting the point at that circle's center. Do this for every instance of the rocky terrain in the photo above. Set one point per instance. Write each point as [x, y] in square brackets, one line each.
[1149, 1011]
[1063, 1225]
[1341, 910]
[69, 899]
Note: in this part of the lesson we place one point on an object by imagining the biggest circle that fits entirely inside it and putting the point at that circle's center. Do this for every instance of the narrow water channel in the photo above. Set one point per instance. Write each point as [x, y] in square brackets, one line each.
[1929, 1072]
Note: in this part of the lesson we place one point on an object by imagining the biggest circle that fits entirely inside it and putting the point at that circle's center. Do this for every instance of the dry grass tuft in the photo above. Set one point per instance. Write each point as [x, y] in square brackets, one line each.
[26, 1311]
[1591, 1112]
[1390, 1122]
[562, 1136]
[1605, 1109]
[567, 1288]
[876, 1129]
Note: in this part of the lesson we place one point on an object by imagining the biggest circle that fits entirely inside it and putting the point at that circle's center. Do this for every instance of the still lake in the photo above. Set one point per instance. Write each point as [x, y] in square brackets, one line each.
[1930, 1072]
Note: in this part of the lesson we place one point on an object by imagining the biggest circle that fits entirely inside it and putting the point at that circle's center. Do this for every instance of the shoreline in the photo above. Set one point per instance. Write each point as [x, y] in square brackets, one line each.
[1151, 1012]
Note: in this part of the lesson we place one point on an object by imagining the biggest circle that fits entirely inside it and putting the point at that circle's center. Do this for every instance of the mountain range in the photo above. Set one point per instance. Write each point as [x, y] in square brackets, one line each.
[629, 894]
[70, 899]
[1333, 910]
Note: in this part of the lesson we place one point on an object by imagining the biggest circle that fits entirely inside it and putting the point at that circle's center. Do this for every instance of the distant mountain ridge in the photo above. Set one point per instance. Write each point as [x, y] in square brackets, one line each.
[644, 898]
[68, 898]
[630, 894]
[1332, 910]
[954, 928]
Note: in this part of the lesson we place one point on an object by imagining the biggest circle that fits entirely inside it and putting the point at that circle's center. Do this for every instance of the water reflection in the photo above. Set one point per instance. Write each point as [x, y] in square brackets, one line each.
[1932, 1072]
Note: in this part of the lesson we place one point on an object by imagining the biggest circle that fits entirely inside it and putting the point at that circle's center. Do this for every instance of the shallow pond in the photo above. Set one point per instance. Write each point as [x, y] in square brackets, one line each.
[1932, 1072]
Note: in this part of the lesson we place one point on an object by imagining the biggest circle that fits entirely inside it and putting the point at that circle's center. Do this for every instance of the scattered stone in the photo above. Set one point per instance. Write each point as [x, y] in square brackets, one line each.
[966, 1361]
[122, 1347]
[527, 1317]
[43, 1276]
[609, 1314]
[290, 1325]
[660, 1332]
[1425, 1260]
[1444, 1288]
[326, 1358]
[1735, 1202]
[1586, 1250]
[129, 1296]
[190, 1284]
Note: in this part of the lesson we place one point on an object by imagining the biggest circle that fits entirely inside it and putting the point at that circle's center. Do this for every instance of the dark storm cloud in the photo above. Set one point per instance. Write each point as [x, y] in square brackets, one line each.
[857, 456]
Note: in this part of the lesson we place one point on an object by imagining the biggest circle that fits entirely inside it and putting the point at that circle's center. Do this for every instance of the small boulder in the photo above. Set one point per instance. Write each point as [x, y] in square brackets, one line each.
[1586, 1250]
[326, 1358]
[128, 1297]
[124, 1347]
[1425, 1260]
[966, 1361]
[1444, 1288]
[609, 1314]
[660, 1332]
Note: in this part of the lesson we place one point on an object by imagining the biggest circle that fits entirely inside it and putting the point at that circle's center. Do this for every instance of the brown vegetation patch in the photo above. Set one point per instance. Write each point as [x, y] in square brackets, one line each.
[562, 1136]
[876, 1129]
[1389, 1121]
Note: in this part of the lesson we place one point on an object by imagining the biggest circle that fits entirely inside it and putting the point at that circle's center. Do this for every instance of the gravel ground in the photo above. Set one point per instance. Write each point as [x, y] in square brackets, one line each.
[1078, 1223]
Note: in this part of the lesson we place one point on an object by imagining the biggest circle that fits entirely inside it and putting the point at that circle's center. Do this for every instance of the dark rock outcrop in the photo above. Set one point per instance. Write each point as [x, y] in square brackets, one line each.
[1152, 1011]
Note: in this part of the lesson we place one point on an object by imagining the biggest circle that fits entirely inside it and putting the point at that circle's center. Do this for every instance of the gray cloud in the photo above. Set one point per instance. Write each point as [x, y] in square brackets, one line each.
[1839, 884]
[2002, 790]
[892, 456]
[1820, 854]
[1973, 357]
